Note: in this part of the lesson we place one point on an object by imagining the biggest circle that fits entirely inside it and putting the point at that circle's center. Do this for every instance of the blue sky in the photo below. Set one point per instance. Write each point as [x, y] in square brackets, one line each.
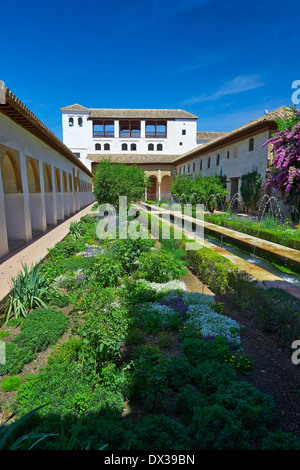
[225, 61]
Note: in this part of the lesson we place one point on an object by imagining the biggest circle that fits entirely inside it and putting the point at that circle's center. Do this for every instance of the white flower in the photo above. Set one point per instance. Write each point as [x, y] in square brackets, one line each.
[194, 298]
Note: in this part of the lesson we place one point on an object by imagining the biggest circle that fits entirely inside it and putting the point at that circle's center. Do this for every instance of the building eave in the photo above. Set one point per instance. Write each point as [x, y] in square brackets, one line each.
[14, 109]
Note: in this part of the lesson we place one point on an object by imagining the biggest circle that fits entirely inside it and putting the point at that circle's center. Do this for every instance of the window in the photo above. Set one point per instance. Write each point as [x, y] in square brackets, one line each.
[228, 153]
[71, 122]
[183, 132]
[188, 168]
[218, 160]
[80, 123]
[150, 147]
[208, 162]
[194, 167]
[124, 147]
[130, 129]
[133, 147]
[156, 129]
[106, 147]
[159, 147]
[77, 154]
[251, 144]
[97, 147]
[200, 165]
[180, 143]
[103, 129]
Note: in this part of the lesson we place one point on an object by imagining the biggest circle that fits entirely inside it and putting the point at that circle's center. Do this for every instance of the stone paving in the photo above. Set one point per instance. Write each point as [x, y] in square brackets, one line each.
[34, 251]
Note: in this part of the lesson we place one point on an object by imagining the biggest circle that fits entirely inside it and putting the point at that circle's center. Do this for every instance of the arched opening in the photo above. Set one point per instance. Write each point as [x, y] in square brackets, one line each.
[13, 200]
[159, 147]
[38, 223]
[166, 187]
[98, 147]
[65, 194]
[106, 147]
[59, 199]
[150, 147]
[133, 147]
[71, 196]
[152, 189]
[48, 189]
[124, 147]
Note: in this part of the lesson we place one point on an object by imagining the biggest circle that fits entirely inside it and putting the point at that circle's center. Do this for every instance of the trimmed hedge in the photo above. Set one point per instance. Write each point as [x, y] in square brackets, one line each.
[273, 236]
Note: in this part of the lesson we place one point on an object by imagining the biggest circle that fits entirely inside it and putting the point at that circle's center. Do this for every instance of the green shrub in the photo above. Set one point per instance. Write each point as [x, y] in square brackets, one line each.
[68, 351]
[187, 399]
[42, 328]
[103, 330]
[160, 266]
[179, 373]
[15, 358]
[127, 251]
[280, 440]
[107, 270]
[250, 407]
[11, 383]
[198, 350]
[210, 375]
[149, 376]
[4, 334]
[213, 428]
[159, 432]
[66, 248]
[66, 390]
[212, 268]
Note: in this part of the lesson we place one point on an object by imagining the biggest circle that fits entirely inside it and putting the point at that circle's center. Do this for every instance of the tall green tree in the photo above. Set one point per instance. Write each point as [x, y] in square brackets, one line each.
[113, 180]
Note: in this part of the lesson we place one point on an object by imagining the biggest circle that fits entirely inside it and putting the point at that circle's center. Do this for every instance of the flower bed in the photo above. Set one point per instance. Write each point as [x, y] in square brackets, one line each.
[153, 345]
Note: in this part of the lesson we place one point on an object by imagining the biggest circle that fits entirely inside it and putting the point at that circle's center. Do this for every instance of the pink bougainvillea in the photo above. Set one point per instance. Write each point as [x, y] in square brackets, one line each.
[284, 171]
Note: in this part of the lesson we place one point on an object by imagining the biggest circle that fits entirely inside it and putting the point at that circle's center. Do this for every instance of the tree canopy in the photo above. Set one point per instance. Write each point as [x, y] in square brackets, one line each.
[113, 180]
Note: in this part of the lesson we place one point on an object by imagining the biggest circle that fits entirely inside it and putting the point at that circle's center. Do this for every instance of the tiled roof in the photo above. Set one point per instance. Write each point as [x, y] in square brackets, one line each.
[141, 113]
[267, 120]
[204, 135]
[74, 107]
[133, 158]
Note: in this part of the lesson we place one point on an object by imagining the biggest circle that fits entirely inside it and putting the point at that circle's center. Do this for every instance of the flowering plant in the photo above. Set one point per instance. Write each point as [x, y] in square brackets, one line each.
[284, 171]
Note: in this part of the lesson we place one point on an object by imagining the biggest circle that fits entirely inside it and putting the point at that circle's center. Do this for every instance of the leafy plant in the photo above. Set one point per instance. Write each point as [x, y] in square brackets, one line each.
[30, 289]
[11, 383]
[160, 432]
[160, 266]
[107, 270]
[77, 230]
[25, 442]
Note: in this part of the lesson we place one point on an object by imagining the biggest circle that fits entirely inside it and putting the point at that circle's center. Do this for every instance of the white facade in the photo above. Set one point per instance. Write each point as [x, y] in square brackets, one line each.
[79, 135]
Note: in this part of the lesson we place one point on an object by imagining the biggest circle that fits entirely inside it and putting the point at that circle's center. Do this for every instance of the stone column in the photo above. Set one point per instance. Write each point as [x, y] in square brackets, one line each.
[26, 200]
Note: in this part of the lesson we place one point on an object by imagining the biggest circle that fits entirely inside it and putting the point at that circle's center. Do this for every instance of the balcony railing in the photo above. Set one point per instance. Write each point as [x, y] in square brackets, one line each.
[160, 134]
[104, 133]
[133, 133]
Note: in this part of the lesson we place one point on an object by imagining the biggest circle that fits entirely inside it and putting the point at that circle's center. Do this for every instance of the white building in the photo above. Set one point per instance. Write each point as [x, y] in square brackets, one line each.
[94, 134]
